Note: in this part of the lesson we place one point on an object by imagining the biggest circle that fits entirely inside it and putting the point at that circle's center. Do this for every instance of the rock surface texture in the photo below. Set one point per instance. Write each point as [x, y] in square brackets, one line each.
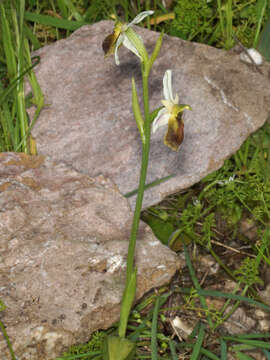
[89, 124]
[63, 246]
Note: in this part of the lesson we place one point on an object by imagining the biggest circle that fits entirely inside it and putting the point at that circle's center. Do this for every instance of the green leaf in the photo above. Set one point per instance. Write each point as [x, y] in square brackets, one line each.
[137, 111]
[127, 301]
[177, 239]
[161, 229]
[155, 52]
[117, 348]
[52, 21]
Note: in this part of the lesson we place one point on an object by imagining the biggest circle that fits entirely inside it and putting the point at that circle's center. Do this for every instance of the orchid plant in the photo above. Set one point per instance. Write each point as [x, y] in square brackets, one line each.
[119, 347]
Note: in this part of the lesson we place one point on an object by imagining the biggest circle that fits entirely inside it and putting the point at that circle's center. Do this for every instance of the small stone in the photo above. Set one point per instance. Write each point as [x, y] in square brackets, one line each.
[264, 325]
[254, 54]
[208, 264]
[239, 322]
[260, 314]
[184, 327]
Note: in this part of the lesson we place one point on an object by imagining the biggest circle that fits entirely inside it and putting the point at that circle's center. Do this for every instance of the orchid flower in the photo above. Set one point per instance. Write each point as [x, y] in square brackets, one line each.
[171, 115]
[123, 34]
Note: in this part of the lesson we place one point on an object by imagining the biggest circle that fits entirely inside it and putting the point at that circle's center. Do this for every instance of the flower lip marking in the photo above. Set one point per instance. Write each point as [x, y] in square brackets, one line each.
[120, 37]
[109, 42]
[171, 114]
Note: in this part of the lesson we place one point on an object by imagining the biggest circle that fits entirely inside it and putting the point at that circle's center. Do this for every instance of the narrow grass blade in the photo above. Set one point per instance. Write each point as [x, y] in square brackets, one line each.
[215, 293]
[194, 331]
[255, 343]
[264, 42]
[203, 351]
[63, 8]
[31, 37]
[154, 344]
[21, 109]
[6, 120]
[73, 10]
[197, 285]
[136, 334]
[267, 354]
[261, 7]
[221, 19]
[149, 300]
[173, 351]
[38, 99]
[253, 336]
[197, 348]
[149, 185]
[2, 328]
[7, 43]
[242, 356]
[234, 297]
[55, 22]
[13, 84]
[223, 349]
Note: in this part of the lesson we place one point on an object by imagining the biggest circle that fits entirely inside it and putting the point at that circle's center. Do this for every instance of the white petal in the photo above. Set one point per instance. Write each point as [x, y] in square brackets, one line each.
[128, 44]
[140, 17]
[118, 43]
[161, 119]
[167, 85]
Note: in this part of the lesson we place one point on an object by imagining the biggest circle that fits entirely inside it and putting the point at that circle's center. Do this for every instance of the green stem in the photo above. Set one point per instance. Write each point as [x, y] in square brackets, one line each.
[143, 173]
[130, 286]
[3, 329]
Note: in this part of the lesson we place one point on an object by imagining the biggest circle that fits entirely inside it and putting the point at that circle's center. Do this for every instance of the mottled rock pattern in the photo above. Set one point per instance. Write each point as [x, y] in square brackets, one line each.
[89, 124]
[63, 246]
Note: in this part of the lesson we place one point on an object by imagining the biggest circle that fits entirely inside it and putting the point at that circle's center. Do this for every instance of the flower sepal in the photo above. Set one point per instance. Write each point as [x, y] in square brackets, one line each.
[154, 113]
[124, 35]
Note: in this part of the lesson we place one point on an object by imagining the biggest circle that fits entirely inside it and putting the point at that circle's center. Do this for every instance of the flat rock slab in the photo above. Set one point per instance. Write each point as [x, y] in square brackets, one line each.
[89, 123]
[63, 247]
